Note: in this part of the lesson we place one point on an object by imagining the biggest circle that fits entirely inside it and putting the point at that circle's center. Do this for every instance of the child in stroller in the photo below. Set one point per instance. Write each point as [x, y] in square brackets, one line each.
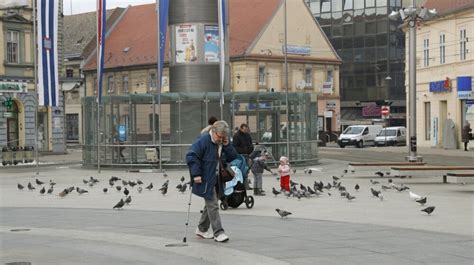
[234, 191]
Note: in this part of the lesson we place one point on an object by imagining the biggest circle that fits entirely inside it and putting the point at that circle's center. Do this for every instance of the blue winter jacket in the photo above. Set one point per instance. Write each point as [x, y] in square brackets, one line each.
[202, 161]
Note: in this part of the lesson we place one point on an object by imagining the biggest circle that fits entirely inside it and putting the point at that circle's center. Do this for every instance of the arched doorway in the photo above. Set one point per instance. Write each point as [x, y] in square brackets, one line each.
[12, 126]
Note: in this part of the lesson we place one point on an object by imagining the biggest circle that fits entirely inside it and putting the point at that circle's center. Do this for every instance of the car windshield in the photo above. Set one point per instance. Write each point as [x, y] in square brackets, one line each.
[389, 132]
[353, 130]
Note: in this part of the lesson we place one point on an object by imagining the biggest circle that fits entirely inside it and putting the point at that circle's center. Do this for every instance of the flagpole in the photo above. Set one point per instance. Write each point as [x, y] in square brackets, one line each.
[158, 83]
[221, 22]
[35, 70]
[286, 85]
[97, 86]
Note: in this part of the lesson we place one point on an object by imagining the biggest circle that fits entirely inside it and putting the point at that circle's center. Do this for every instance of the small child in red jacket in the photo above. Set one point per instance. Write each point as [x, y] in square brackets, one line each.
[284, 170]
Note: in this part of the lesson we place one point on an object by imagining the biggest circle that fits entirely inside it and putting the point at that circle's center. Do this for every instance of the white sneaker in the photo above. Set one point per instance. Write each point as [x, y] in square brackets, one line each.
[221, 238]
[206, 235]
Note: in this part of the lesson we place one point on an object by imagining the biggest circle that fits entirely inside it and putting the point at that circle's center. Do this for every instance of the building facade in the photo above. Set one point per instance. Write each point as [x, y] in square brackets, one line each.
[445, 70]
[372, 49]
[17, 90]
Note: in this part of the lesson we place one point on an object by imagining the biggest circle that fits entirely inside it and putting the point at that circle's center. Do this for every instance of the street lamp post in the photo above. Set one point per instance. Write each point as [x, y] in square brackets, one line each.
[411, 15]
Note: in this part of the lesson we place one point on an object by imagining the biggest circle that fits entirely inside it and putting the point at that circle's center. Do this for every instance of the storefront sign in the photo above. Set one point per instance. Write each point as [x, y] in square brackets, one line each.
[12, 87]
[441, 86]
[464, 84]
[297, 50]
[186, 51]
[371, 111]
[7, 114]
[211, 44]
[327, 88]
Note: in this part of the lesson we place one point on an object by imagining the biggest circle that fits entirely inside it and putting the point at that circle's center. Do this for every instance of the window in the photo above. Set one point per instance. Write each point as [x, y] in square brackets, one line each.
[358, 4]
[152, 81]
[70, 73]
[426, 52]
[72, 127]
[261, 76]
[462, 44]
[315, 6]
[308, 76]
[336, 6]
[442, 48]
[326, 6]
[427, 121]
[125, 84]
[13, 41]
[330, 76]
[348, 5]
[110, 84]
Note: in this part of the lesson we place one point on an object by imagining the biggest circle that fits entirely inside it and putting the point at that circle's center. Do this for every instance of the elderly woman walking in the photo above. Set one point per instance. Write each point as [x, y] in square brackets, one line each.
[466, 133]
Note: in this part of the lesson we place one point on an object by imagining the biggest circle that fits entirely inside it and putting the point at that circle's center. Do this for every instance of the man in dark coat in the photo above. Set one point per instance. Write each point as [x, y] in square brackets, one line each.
[466, 133]
[242, 140]
[202, 159]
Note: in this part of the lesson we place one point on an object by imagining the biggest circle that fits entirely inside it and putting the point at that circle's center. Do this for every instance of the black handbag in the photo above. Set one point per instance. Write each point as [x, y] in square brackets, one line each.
[225, 172]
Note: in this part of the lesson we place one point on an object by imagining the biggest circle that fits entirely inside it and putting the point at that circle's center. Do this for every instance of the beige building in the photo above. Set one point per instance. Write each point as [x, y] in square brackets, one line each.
[445, 70]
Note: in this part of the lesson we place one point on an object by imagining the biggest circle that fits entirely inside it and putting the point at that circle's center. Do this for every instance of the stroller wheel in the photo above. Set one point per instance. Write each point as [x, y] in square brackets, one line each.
[249, 201]
[224, 206]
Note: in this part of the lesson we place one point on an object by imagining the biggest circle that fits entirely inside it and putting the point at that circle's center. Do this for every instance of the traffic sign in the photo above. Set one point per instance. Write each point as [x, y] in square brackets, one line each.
[385, 111]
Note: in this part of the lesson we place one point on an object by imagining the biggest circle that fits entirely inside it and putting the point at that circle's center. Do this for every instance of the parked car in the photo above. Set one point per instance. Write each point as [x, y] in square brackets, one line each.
[359, 135]
[393, 136]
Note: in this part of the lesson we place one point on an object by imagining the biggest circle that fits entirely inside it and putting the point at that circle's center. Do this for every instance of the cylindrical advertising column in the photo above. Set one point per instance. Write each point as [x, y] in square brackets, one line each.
[194, 63]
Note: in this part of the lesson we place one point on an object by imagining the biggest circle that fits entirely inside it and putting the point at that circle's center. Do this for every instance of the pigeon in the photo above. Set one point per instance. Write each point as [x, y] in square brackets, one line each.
[387, 173]
[414, 196]
[126, 191]
[294, 171]
[119, 204]
[374, 182]
[428, 210]
[63, 193]
[349, 197]
[390, 181]
[345, 171]
[375, 193]
[385, 187]
[378, 173]
[140, 189]
[166, 183]
[93, 180]
[179, 186]
[131, 183]
[311, 191]
[310, 171]
[165, 175]
[275, 192]
[105, 190]
[357, 187]
[139, 182]
[42, 191]
[81, 191]
[183, 188]
[124, 183]
[50, 190]
[52, 183]
[335, 178]
[182, 179]
[118, 188]
[164, 190]
[292, 183]
[91, 184]
[353, 171]
[70, 189]
[282, 213]
[30, 187]
[20, 187]
[128, 200]
[149, 187]
[421, 201]
[39, 182]
[85, 181]
[111, 183]
[328, 186]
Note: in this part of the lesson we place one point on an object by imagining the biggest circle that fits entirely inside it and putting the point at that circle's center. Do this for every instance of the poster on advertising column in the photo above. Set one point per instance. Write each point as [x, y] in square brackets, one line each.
[211, 44]
[186, 51]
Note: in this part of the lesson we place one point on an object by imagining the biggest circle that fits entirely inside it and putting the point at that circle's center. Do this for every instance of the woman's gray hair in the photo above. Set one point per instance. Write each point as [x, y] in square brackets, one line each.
[220, 127]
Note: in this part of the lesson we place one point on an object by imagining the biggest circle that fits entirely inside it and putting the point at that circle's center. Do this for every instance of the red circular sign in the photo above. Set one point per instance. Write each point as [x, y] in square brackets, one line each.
[385, 110]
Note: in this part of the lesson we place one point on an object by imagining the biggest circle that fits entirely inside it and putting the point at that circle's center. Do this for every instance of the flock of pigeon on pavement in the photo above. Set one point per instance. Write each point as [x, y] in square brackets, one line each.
[298, 190]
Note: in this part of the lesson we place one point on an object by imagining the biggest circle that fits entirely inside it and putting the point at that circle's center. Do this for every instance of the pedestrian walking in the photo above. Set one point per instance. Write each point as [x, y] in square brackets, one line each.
[466, 135]
[203, 162]
[242, 140]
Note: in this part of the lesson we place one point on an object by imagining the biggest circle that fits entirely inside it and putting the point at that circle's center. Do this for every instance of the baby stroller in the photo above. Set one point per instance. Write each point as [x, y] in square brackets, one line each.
[234, 191]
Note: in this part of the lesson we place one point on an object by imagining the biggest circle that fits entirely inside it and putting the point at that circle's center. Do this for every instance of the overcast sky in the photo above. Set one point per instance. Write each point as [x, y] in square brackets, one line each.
[82, 6]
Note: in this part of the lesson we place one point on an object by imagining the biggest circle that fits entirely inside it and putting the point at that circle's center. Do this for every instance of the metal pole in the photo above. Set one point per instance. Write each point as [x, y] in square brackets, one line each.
[412, 89]
[158, 85]
[286, 84]
[97, 87]
[35, 67]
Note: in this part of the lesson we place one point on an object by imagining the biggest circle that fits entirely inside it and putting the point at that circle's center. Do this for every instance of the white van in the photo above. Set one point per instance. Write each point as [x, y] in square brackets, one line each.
[359, 135]
[393, 136]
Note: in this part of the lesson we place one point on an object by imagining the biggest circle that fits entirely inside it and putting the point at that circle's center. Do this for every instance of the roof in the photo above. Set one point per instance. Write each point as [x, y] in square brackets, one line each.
[246, 23]
[448, 6]
[80, 29]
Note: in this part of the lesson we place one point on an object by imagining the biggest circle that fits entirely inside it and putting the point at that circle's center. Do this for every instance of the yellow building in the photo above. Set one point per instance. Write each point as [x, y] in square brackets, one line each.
[445, 69]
